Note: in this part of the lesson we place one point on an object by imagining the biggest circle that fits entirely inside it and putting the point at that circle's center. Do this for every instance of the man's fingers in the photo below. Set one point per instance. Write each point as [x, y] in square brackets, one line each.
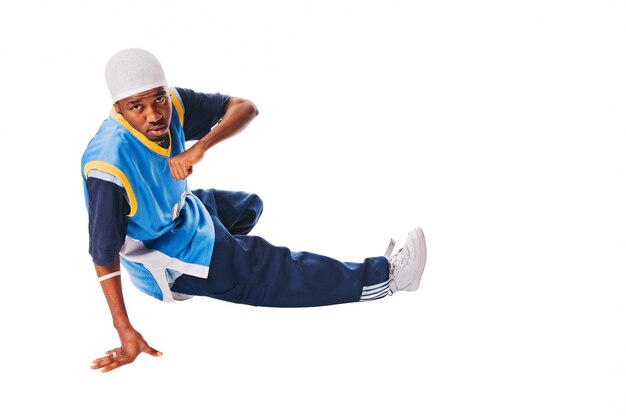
[115, 358]
[180, 168]
[174, 168]
[115, 364]
[180, 172]
[153, 352]
[105, 364]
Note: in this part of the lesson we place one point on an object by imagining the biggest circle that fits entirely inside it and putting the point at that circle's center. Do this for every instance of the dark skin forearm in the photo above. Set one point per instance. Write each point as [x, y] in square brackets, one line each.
[132, 343]
[237, 115]
[112, 289]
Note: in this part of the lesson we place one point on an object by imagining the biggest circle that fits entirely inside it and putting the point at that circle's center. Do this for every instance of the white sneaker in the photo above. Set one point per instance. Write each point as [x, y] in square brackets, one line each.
[407, 265]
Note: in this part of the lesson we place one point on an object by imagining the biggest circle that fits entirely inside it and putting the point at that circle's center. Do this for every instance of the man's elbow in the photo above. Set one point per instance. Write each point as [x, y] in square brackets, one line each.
[243, 106]
[251, 109]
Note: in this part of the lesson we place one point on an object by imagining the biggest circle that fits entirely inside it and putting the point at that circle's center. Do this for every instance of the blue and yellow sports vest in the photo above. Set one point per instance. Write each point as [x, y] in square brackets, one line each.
[169, 230]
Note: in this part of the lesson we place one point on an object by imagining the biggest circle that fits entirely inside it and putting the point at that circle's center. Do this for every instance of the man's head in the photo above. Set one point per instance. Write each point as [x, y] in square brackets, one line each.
[138, 88]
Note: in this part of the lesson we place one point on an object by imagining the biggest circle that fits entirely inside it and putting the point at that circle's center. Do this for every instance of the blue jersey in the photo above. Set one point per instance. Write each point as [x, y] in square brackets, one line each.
[169, 231]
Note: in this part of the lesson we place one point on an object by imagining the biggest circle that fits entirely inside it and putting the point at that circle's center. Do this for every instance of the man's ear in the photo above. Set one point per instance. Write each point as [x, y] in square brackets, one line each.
[116, 105]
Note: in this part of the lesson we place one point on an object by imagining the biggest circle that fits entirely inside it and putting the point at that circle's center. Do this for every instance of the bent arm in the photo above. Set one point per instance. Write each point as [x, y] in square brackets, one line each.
[238, 114]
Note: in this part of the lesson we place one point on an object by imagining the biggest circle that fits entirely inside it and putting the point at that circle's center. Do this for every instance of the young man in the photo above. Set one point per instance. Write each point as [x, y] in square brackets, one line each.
[176, 243]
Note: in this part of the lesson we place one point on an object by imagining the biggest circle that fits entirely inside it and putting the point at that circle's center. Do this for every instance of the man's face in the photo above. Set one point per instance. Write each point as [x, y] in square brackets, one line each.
[148, 112]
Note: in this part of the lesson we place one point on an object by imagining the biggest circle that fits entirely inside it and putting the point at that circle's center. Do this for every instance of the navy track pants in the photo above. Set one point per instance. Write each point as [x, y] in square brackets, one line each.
[249, 270]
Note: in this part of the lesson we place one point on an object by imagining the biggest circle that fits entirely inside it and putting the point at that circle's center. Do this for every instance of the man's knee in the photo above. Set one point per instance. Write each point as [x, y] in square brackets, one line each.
[256, 204]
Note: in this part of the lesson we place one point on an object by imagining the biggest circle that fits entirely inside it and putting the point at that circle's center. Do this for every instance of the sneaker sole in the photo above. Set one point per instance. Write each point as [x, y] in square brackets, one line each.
[419, 248]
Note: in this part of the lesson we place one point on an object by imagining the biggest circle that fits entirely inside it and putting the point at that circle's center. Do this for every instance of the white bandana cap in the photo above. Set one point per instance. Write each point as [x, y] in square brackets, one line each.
[131, 71]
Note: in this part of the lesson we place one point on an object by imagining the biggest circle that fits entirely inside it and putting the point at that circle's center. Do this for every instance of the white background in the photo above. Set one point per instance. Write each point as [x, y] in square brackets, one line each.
[497, 126]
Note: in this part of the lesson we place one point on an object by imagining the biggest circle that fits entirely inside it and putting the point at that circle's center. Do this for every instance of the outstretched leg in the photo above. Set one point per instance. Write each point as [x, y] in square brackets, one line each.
[248, 269]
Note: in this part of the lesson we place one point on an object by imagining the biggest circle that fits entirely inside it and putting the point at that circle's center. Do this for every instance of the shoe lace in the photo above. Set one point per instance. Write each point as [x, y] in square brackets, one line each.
[398, 262]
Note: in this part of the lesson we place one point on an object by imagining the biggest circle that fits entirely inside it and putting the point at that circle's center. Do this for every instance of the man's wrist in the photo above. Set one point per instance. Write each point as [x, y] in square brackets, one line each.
[205, 143]
[122, 325]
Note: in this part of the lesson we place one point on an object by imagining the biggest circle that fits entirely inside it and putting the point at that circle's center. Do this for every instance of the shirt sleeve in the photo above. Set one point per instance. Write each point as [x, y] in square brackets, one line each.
[202, 111]
[108, 210]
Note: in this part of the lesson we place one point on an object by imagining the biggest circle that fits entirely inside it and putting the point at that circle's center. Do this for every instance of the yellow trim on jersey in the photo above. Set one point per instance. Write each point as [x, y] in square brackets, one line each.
[108, 168]
[178, 106]
[143, 139]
